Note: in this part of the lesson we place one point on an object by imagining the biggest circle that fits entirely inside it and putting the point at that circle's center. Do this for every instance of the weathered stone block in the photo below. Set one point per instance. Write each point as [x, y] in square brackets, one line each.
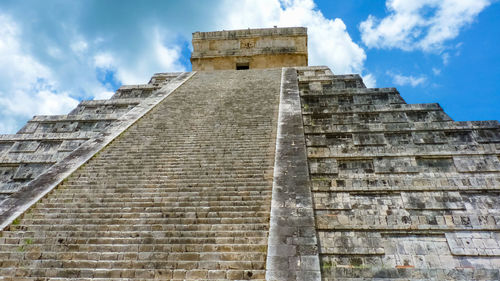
[476, 163]
[435, 164]
[433, 200]
[350, 243]
[473, 244]
[369, 139]
[355, 166]
[323, 166]
[24, 146]
[395, 165]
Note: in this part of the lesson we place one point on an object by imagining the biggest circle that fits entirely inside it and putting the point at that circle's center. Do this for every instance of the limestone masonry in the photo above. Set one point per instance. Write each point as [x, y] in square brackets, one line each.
[249, 48]
[255, 166]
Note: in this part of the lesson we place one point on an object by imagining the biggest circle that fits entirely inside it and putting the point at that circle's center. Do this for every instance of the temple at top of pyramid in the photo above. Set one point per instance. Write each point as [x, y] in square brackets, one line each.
[249, 48]
[252, 166]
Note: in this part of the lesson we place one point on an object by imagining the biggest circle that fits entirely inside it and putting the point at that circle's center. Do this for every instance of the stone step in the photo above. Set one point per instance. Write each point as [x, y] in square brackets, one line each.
[151, 192]
[186, 176]
[119, 205]
[160, 261]
[114, 215]
[127, 234]
[173, 171]
[213, 176]
[153, 221]
[157, 201]
[200, 166]
[253, 163]
[166, 203]
[165, 172]
[164, 186]
[131, 183]
[142, 227]
[163, 209]
[208, 158]
[124, 189]
[202, 175]
[163, 245]
[165, 198]
[130, 274]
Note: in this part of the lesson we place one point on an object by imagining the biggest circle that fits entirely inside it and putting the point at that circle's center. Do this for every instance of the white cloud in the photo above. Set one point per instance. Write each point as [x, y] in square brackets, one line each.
[103, 60]
[48, 73]
[329, 41]
[72, 67]
[27, 87]
[424, 24]
[369, 80]
[446, 58]
[54, 52]
[43, 102]
[79, 46]
[156, 56]
[103, 95]
[402, 80]
[17, 68]
[436, 71]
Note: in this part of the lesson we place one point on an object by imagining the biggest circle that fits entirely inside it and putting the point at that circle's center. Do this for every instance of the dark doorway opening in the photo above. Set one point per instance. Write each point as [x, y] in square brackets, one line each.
[242, 66]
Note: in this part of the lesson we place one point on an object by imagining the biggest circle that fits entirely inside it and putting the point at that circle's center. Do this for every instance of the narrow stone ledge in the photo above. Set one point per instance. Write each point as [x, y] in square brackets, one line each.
[73, 118]
[21, 201]
[124, 101]
[292, 247]
[49, 136]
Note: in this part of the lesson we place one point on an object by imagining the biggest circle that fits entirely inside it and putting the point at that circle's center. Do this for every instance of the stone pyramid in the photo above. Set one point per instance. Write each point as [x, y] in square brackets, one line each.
[253, 166]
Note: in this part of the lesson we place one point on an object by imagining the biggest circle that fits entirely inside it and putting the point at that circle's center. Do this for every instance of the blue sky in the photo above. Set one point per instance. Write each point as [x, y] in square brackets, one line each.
[55, 53]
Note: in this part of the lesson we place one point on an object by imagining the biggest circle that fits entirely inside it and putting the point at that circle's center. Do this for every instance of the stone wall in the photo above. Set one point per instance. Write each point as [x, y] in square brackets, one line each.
[400, 190]
[255, 48]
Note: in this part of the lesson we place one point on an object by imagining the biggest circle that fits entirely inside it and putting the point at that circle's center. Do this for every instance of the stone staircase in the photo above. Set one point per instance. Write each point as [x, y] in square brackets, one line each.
[184, 193]
[400, 191]
[48, 139]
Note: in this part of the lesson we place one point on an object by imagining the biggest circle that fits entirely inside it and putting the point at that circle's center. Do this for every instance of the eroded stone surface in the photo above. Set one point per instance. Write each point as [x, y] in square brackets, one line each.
[46, 140]
[249, 48]
[184, 193]
[400, 190]
[292, 247]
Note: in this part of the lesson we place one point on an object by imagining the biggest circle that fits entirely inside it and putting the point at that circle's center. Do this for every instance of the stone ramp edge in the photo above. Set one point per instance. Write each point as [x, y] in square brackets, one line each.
[292, 246]
[14, 206]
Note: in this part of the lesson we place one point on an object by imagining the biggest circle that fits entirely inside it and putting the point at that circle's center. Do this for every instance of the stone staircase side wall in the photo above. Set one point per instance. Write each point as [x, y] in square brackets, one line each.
[292, 247]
